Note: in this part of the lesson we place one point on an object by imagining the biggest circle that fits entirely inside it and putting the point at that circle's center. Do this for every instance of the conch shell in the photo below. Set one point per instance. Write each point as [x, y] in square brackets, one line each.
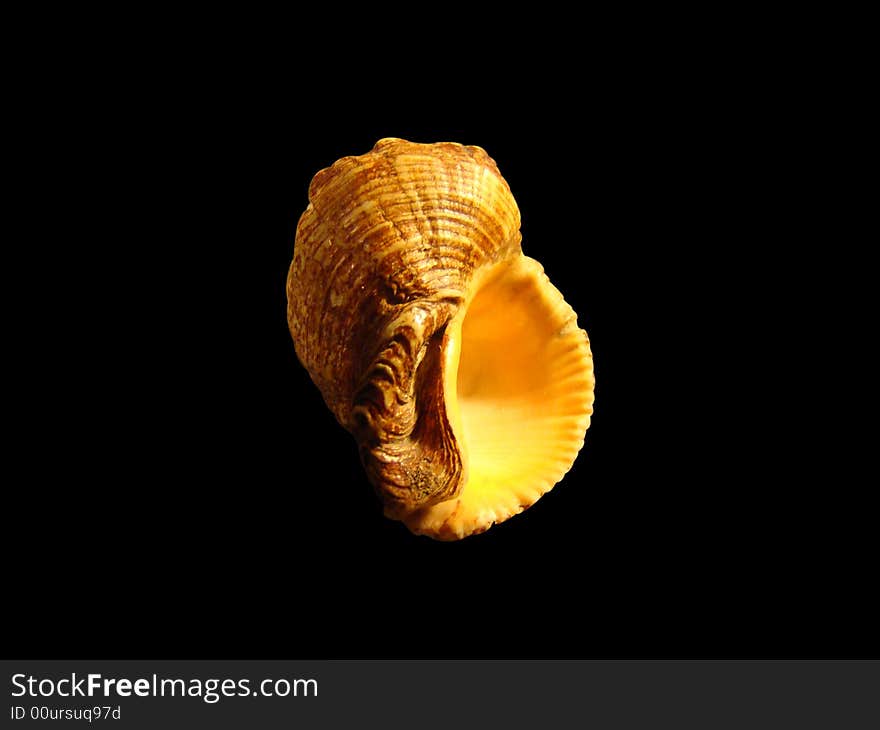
[448, 354]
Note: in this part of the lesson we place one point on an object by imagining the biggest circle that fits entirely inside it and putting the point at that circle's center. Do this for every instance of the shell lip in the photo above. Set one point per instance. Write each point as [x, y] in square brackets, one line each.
[540, 430]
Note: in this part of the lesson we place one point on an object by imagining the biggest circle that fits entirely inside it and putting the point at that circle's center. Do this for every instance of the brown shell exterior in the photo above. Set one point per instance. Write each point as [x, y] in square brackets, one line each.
[384, 255]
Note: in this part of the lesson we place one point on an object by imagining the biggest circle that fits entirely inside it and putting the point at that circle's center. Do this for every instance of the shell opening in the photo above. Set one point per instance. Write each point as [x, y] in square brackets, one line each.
[518, 391]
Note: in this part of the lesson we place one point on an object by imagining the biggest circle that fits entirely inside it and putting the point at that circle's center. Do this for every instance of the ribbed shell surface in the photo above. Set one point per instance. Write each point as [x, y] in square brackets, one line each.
[383, 258]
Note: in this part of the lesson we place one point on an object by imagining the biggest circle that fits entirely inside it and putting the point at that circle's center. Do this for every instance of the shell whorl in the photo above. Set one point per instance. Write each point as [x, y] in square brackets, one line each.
[383, 259]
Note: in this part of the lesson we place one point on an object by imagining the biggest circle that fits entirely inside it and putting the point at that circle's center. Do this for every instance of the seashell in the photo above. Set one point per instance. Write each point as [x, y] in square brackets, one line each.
[448, 354]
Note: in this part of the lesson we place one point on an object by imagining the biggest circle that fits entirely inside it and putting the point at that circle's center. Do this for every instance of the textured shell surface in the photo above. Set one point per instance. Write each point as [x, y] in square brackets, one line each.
[450, 357]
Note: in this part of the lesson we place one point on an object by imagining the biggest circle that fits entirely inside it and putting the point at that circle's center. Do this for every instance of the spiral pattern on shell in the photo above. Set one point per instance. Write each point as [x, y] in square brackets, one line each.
[387, 254]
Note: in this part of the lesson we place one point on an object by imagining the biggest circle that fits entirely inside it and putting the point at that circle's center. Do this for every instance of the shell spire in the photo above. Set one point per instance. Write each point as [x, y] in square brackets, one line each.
[395, 249]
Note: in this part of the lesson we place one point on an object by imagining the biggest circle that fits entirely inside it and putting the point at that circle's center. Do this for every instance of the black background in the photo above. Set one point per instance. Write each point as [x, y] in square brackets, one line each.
[183, 491]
